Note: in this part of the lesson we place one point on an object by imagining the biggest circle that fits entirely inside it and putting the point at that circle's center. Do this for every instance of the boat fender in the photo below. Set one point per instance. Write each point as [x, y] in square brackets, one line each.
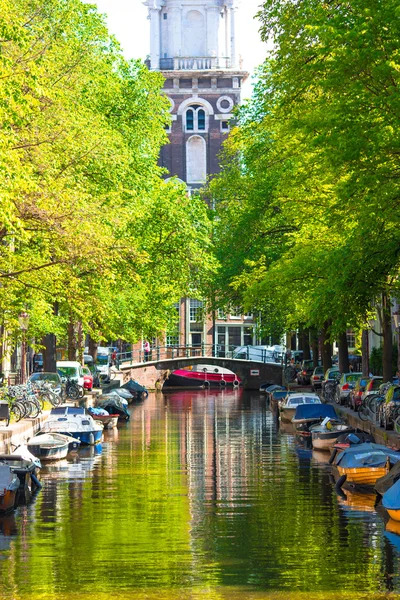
[36, 481]
[91, 439]
[222, 383]
[206, 384]
[341, 481]
[333, 456]
[235, 383]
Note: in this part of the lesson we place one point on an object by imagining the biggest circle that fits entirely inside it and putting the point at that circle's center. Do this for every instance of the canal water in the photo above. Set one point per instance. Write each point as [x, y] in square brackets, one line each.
[199, 495]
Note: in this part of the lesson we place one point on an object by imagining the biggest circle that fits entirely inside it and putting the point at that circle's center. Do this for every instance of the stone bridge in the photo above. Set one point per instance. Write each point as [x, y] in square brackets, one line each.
[152, 374]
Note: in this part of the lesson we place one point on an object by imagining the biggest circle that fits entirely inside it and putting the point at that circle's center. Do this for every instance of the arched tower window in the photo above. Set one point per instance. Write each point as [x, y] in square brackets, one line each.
[196, 160]
[196, 118]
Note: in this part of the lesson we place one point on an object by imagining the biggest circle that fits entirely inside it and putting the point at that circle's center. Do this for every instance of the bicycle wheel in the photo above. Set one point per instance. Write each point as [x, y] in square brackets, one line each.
[18, 411]
[34, 409]
[81, 391]
[73, 392]
[363, 412]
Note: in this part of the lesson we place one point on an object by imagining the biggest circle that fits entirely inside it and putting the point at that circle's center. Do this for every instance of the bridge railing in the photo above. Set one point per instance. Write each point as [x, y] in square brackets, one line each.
[158, 353]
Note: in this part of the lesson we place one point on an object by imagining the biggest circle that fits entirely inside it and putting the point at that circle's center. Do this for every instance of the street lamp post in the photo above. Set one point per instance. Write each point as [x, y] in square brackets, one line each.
[396, 319]
[23, 319]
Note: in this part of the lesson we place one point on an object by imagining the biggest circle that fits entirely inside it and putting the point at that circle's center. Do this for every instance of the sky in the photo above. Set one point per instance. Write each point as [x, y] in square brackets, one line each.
[127, 20]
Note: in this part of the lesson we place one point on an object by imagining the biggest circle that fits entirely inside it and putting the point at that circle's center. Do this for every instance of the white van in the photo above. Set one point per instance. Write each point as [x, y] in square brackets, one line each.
[265, 354]
[71, 369]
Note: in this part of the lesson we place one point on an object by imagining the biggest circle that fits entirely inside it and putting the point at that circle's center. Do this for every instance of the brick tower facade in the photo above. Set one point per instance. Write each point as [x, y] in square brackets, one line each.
[193, 44]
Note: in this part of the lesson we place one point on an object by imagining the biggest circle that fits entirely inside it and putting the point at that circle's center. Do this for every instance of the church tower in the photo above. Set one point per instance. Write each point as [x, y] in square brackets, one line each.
[193, 44]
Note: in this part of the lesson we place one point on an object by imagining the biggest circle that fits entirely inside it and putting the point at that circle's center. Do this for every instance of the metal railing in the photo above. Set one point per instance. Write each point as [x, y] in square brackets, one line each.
[199, 63]
[185, 351]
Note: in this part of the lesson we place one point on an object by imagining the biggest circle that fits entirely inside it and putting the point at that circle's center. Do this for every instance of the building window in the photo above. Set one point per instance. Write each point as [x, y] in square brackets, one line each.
[248, 336]
[236, 312]
[225, 126]
[351, 339]
[196, 118]
[196, 160]
[221, 314]
[248, 316]
[196, 311]
[165, 16]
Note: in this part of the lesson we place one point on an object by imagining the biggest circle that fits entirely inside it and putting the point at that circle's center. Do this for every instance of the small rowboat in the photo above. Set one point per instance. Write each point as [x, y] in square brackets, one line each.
[324, 437]
[204, 376]
[52, 445]
[363, 464]
[109, 421]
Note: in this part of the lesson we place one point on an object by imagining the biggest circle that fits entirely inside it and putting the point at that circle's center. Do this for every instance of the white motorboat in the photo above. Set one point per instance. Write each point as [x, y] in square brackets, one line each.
[52, 445]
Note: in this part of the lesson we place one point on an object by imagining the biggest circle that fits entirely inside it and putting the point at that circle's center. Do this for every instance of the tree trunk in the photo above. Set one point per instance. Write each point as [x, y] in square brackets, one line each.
[326, 346]
[50, 353]
[343, 353]
[387, 355]
[93, 348]
[365, 352]
[301, 338]
[71, 340]
[314, 347]
[80, 342]
[306, 344]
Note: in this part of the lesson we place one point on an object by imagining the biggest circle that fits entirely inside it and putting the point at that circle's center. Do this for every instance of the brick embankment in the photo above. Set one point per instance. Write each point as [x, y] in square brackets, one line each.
[17, 433]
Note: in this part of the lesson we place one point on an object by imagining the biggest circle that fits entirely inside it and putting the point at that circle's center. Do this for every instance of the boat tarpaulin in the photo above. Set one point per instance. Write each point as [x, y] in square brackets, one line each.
[314, 412]
[366, 455]
[391, 498]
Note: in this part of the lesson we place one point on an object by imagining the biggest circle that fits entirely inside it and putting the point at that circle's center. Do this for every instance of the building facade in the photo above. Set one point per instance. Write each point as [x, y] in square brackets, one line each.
[193, 44]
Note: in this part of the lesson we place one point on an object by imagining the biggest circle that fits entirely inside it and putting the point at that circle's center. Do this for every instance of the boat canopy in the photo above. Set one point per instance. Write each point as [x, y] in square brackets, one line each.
[314, 412]
[366, 455]
[391, 498]
[67, 410]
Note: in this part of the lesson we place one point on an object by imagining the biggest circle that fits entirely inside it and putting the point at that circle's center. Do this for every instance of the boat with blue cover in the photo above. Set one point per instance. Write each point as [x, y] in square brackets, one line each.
[391, 501]
[363, 464]
[75, 422]
[307, 415]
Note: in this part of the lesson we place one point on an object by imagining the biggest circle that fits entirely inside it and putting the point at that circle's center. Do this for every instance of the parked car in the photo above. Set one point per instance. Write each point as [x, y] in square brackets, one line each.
[355, 398]
[389, 409]
[71, 369]
[331, 374]
[87, 379]
[306, 370]
[316, 378]
[346, 383]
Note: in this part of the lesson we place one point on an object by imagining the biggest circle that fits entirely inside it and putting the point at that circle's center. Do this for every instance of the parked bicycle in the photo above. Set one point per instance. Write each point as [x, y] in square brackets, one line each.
[73, 391]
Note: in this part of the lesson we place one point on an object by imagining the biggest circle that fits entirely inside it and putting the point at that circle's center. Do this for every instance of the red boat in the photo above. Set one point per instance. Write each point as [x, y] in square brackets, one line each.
[203, 376]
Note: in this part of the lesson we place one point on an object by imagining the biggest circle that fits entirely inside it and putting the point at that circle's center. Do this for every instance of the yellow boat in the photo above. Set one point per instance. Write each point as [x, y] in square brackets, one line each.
[358, 502]
[363, 475]
[393, 526]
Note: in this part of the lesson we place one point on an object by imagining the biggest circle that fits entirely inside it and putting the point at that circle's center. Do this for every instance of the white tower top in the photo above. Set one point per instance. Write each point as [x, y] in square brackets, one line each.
[195, 34]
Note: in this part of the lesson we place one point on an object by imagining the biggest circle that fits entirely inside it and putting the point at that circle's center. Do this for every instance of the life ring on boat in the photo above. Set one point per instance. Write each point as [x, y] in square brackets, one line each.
[236, 383]
[222, 383]
[206, 384]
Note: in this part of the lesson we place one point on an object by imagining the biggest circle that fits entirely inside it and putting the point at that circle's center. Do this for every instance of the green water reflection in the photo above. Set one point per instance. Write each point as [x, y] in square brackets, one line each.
[198, 496]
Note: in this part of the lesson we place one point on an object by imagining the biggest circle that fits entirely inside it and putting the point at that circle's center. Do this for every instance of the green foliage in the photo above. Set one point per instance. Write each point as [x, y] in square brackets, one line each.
[85, 220]
[307, 204]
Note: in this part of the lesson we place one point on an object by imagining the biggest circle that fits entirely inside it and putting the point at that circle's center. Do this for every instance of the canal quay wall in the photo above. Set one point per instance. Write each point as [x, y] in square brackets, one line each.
[387, 438]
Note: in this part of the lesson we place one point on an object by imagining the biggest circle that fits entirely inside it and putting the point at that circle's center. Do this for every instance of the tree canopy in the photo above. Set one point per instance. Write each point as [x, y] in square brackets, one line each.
[86, 222]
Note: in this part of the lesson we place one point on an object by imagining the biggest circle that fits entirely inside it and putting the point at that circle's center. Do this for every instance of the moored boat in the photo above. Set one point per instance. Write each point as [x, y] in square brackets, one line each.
[307, 415]
[104, 417]
[288, 405]
[52, 445]
[74, 422]
[324, 436]
[391, 501]
[363, 464]
[202, 376]
[9, 485]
